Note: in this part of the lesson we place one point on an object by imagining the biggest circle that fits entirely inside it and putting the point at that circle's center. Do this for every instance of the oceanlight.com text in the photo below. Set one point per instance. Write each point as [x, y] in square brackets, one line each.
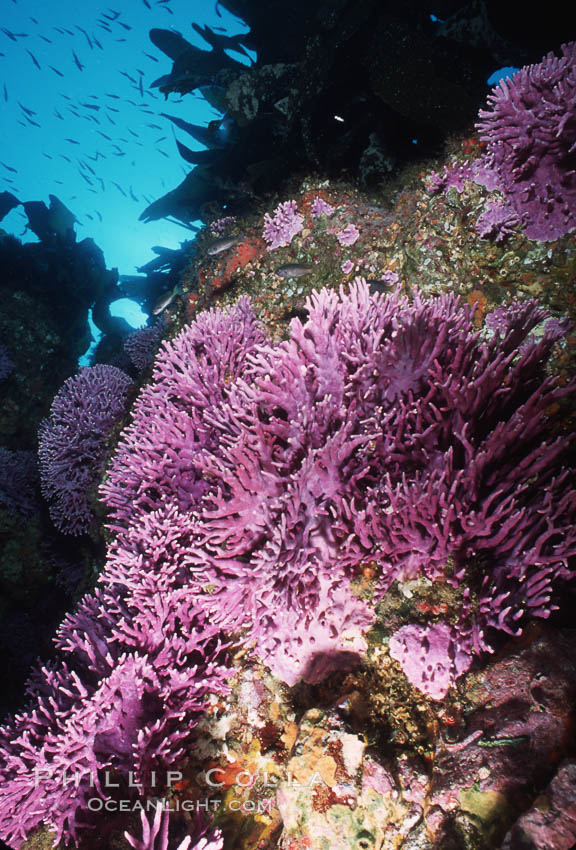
[264, 806]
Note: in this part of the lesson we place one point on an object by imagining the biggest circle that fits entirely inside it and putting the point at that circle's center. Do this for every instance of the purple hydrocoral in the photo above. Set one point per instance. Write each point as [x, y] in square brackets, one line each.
[497, 221]
[455, 175]
[391, 429]
[530, 129]
[222, 225]
[281, 227]
[155, 834]
[255, 477]
[381, 429]
[321, 207]
[187, 441]
[141, 346]
[349, 235]
[143, 657]
[138, 662]
[157, 459]
[72, 442]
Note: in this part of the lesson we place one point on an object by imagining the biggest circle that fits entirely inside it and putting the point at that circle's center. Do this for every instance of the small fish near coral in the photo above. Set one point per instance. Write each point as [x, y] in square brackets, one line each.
[223, 244]
[165, 300]
[289, 270]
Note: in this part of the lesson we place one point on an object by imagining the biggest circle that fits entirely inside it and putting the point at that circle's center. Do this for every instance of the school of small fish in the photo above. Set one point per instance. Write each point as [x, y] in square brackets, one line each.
[119, 118]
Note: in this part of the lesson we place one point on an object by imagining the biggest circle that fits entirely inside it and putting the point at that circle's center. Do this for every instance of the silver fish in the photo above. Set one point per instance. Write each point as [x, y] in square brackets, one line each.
[164, 301]
[294, 270]
[223, 244]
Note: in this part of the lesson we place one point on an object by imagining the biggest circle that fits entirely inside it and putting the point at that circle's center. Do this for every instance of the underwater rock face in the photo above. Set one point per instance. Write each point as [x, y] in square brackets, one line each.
[6, 364]
[46, 292]
[344, 90]
[470, 791]
[335, 796]
[551, 822]
[18, 481]
[485, 773]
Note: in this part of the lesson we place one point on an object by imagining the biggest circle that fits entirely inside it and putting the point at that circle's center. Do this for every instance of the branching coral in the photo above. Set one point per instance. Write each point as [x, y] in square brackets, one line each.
[254, 480]
[138, 657]
[451, 176]
[263, 531]
[157, 459]
[281, 227]
[141, 346]
[72, 443]
[321, 207]
[138, 661]
[382, 429]
[155, 835]
[530, 129]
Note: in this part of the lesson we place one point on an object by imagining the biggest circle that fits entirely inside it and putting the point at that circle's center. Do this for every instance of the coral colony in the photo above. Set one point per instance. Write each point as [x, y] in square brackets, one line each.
[321, 207]
[141, 346]
[281, 227]
[155, 835]
[253, 482]
[72, 443]
[530, 130]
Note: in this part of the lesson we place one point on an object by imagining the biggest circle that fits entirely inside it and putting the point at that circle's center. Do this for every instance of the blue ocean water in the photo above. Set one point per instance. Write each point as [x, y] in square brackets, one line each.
[81, 121]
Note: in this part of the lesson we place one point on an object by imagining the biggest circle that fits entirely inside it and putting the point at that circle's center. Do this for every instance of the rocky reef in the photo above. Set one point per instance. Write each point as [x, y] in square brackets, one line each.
[335, 602]
[342, 89]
